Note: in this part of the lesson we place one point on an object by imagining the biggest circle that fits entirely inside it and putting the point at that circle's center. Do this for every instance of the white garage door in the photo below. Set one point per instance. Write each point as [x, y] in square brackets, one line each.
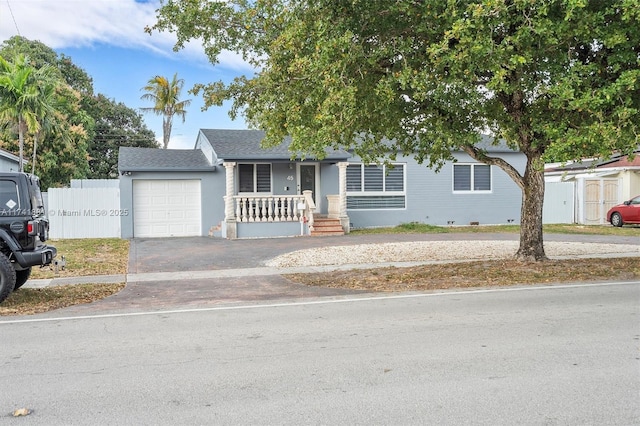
[166, 208]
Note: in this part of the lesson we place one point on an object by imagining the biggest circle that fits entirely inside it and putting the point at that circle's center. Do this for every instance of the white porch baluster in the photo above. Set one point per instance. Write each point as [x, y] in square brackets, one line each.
[239, 208]
[270, 209]
[263, 210]
[251, 207]
[289, 209]
[278, 209]
[274, 208]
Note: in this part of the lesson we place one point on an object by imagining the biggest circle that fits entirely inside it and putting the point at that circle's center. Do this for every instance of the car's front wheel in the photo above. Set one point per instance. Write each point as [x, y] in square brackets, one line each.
[22, 277]
[7, 277]
[616, 219]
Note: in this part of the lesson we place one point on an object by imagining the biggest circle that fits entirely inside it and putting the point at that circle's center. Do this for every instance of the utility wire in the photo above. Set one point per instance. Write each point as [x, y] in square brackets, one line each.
[14, 18]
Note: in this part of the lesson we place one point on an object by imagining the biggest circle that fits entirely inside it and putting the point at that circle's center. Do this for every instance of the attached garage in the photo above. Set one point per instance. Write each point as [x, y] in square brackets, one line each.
[167, 193]
[166, 208]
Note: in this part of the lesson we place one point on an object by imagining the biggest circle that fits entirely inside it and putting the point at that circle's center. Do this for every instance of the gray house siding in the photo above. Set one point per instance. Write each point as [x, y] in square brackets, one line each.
[10, 162]
[8, 165]
[283, 179]
[212, 210]
[329, 184]
[430, 198]
[270, 230]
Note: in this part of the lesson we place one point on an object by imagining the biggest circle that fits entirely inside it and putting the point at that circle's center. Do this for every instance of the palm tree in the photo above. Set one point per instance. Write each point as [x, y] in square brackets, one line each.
[164, 94]
[25, 97]
[48, 102]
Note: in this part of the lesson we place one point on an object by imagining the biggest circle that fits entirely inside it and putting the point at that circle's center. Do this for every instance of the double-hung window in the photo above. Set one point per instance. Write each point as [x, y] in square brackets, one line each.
[375, 187]
[471, 178]
[253, 178]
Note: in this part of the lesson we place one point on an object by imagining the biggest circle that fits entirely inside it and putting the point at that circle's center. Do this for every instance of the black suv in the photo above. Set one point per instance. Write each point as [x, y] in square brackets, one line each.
[23, 230]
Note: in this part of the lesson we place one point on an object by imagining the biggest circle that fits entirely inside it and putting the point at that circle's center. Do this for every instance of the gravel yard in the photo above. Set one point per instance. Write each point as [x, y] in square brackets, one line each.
[438, 251]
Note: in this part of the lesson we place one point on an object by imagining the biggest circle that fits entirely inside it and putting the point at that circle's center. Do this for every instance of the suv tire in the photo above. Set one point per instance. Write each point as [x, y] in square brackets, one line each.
[7, 277]
[21, 278]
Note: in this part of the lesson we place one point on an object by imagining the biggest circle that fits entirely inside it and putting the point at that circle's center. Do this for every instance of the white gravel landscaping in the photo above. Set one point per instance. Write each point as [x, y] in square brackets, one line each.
[426, 251]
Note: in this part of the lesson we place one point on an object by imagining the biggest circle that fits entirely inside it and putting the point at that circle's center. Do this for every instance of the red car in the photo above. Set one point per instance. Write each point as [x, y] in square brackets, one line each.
[627, 212]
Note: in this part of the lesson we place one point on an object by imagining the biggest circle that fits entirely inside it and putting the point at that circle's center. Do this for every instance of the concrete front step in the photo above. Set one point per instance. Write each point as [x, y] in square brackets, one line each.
[326, 226]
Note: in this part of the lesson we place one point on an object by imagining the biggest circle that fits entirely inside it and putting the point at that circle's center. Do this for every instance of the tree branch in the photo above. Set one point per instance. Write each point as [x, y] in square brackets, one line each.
[481, 155]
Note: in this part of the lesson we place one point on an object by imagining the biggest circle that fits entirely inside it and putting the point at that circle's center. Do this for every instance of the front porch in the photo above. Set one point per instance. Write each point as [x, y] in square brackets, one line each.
[269, 215]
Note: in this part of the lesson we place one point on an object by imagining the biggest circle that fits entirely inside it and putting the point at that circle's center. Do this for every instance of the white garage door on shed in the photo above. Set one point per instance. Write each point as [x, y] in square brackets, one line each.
[166, 208]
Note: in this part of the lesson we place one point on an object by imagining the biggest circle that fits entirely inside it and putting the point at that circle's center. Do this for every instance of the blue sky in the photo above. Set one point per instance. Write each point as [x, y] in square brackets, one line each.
[106, 38]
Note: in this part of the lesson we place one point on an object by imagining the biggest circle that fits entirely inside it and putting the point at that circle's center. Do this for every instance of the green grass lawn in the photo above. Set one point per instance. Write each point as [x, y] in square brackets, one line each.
[422, 228]
[90, 256]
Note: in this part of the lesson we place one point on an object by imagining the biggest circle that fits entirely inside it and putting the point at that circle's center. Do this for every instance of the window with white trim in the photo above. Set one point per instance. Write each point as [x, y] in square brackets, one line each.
[471, 178]
[254, 178]
[375, 187]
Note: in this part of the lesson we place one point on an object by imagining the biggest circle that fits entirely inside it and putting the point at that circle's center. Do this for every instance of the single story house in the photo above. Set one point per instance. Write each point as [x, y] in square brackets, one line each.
[593, 186]
[228, 186]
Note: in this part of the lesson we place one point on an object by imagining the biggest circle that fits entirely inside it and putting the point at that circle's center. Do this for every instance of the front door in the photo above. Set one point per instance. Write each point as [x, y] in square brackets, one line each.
[307, 177]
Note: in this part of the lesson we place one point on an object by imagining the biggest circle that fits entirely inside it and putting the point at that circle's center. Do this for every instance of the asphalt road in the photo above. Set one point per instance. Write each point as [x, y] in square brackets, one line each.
[566, 355]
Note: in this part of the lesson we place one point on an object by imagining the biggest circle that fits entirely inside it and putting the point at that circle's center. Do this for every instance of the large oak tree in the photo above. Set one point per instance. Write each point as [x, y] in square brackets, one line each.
[431, 75]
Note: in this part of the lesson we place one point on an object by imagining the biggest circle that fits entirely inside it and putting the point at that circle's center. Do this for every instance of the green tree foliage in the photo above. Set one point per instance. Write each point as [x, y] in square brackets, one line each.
[62, 155]
[82, 136]
[165, 96]
[560, 76]
[42, 54]
[26, 98]
[116, 125]
[56, 134]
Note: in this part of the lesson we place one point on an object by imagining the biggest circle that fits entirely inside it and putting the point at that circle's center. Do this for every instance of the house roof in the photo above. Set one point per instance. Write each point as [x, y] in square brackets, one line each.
[245, 145]
[133, 159]
[623, 162]
[10, 156]
[615, 161]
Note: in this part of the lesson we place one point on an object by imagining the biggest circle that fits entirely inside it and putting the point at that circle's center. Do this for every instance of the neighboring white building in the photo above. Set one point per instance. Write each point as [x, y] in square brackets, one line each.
[598, 185]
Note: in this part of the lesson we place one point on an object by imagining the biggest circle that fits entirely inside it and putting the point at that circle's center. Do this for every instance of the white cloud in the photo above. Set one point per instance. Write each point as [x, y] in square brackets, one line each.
[83, 23]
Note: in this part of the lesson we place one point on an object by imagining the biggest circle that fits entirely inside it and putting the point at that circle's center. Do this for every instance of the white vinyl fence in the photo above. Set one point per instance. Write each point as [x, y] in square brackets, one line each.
[84, 212]
[559, 203]
[95, 183]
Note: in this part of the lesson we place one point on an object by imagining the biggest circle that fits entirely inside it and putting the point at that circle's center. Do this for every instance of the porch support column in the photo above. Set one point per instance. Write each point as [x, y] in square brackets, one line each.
[342, 179]
[229, 208]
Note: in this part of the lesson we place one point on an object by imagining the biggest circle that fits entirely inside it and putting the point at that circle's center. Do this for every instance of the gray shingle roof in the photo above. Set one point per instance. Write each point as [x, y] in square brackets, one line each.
[245, 145]
[154, 159]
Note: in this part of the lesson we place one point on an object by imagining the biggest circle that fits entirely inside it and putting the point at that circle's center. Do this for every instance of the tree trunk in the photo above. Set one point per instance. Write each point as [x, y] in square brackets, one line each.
[166, 132]
[531, 244]
[35, 148]
[21, 144]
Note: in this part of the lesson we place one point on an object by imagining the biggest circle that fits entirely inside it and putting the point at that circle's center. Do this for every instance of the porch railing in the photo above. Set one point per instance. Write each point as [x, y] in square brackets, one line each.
[273, 208]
